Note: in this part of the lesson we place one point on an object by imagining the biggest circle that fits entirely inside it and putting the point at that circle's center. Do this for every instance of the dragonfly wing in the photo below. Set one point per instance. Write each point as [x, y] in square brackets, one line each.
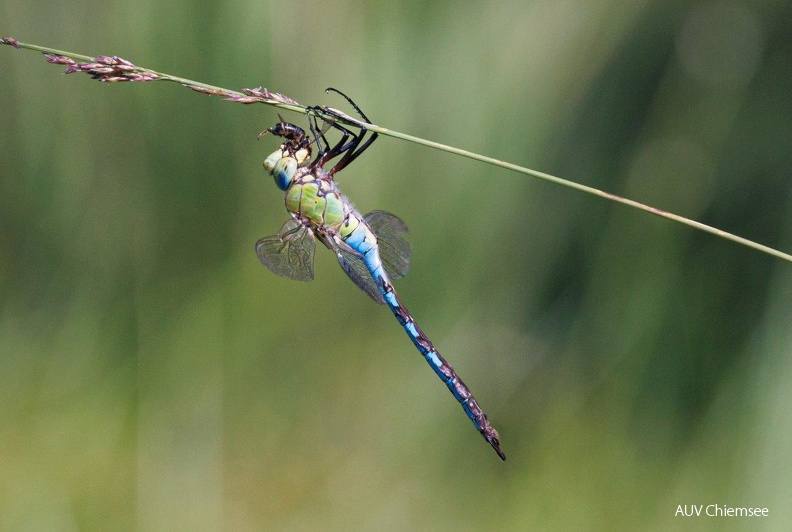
[394, 250]
[352, 264]
[290, 253]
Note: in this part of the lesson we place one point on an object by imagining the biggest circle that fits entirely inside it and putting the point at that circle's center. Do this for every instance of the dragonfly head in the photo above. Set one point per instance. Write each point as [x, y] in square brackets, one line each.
[292, 154]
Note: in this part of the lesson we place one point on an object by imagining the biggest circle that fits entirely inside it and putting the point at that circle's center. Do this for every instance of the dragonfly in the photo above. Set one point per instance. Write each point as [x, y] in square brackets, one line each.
[370, 248]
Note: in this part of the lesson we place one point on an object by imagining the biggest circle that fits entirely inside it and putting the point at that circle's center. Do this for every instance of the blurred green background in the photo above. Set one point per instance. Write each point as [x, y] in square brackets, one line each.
[153, 375]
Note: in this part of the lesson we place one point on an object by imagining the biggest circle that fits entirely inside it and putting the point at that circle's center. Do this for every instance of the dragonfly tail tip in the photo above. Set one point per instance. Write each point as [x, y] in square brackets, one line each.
[495, 443]
[500, 453]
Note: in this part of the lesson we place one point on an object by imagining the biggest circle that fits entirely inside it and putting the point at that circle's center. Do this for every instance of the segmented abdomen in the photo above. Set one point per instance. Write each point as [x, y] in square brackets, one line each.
[357, 235]
[442, 368]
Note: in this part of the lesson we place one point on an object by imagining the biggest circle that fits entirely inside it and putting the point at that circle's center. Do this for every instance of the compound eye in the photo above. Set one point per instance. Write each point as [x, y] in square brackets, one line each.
[284, 171]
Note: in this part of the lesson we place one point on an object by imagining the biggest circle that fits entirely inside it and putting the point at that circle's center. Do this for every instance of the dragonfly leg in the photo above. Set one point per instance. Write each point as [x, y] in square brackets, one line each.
[355, 147]
[352, 103]
[318, 133]
[349, 149]
[354, 153]
[328, 153]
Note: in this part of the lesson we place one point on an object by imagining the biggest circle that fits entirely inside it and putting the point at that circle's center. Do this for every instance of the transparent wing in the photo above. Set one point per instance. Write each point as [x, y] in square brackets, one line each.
[353, 265]
[394, 250]
[290, 253]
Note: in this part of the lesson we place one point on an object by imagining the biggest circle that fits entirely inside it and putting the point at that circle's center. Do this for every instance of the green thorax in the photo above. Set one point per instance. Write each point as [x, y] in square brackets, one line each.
[316, 199]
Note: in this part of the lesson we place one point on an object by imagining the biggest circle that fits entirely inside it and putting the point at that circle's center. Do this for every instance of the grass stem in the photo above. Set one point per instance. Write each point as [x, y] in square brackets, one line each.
[114, 69]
